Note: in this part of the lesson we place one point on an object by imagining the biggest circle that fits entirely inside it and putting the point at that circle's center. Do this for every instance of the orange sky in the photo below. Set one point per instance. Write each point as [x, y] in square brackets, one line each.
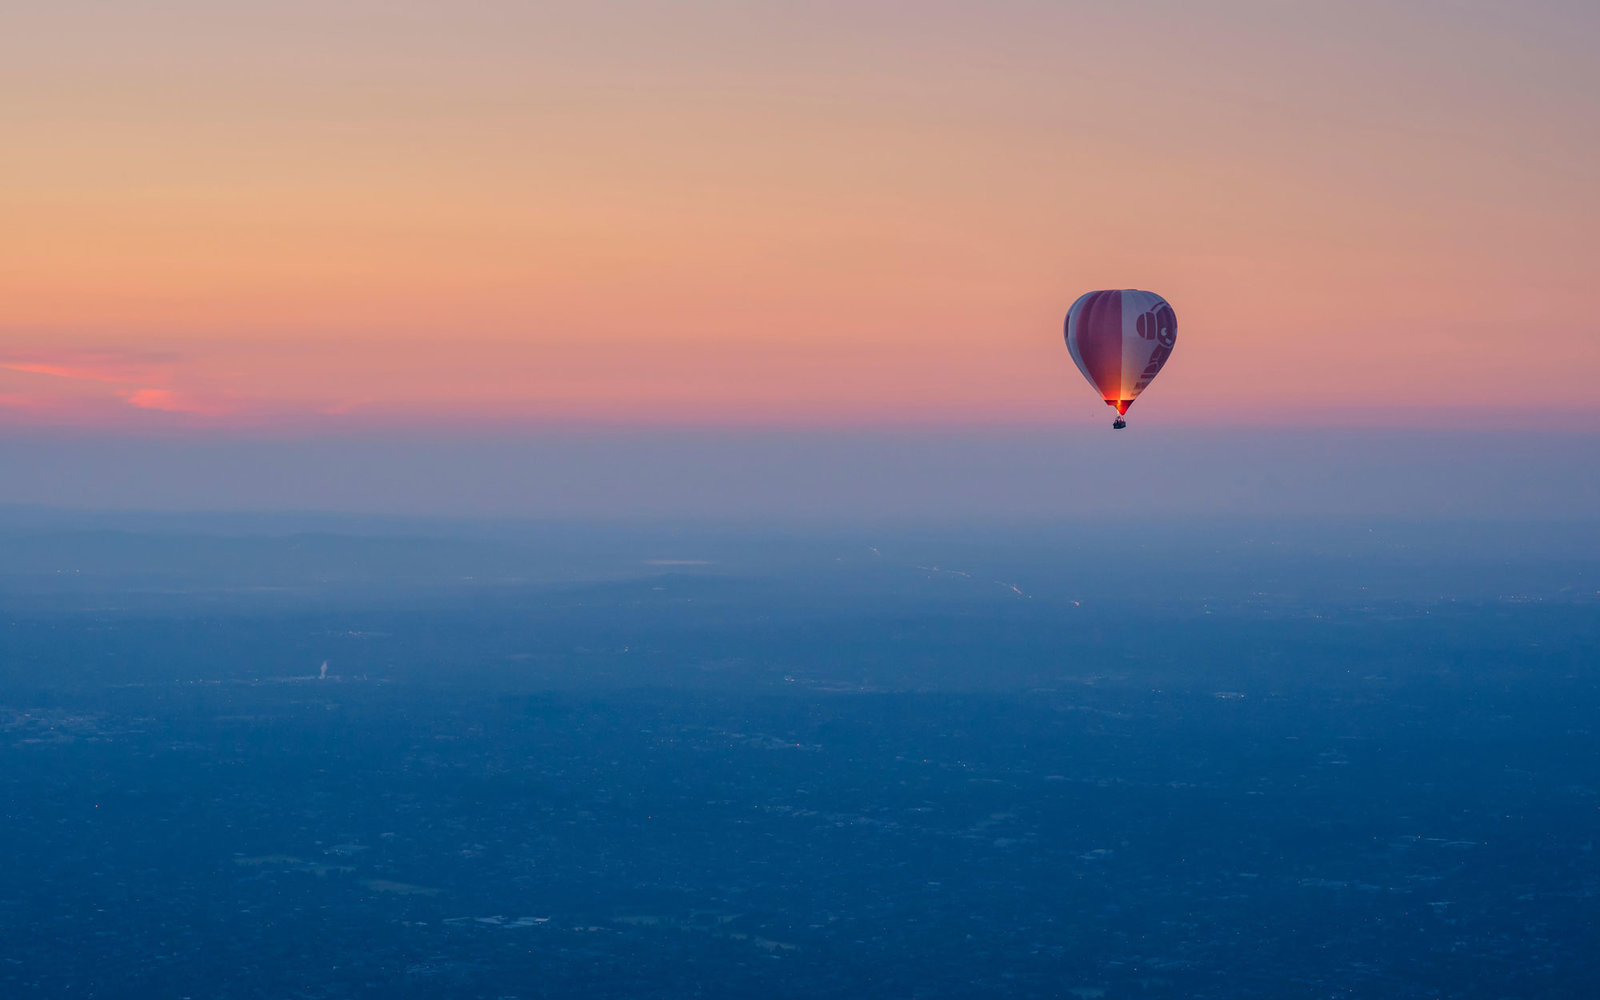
[740, 213]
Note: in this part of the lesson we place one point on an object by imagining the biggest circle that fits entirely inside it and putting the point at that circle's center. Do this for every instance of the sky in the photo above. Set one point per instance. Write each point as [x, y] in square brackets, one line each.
[295, 217]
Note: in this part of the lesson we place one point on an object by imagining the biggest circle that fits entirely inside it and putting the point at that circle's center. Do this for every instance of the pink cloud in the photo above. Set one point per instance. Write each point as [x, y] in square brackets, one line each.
[91, 366]
[169, 401]
[88, 386]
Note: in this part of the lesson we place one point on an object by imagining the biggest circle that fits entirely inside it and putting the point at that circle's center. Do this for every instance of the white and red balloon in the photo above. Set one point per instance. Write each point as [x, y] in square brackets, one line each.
[1119, 340]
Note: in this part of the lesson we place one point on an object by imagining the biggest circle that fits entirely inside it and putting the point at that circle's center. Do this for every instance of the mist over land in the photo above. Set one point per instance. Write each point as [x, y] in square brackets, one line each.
[1414, 465]
[1129, 757]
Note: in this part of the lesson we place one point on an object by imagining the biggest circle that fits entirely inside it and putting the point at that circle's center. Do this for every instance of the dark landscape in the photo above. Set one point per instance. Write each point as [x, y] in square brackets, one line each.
[1213, 759]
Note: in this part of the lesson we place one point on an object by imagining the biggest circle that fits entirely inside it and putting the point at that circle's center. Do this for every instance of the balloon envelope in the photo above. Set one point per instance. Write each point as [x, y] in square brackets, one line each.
[1119, 340]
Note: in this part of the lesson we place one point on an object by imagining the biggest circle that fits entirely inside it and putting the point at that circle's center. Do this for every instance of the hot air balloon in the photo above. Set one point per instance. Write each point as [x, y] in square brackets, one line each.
[1120, 339]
